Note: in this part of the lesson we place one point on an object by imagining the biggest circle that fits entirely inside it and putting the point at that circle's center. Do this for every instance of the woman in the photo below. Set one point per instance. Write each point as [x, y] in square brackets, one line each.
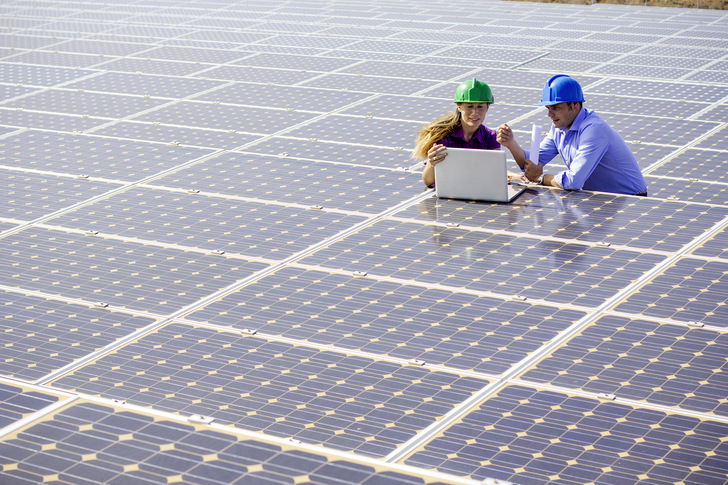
[462, 128]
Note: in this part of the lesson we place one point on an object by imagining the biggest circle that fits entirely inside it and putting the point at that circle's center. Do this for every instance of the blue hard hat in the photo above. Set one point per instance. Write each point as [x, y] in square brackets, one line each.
[561, 89]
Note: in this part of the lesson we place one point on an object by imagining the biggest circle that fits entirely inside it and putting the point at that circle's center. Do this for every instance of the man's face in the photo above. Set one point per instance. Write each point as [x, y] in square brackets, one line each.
[563, 114]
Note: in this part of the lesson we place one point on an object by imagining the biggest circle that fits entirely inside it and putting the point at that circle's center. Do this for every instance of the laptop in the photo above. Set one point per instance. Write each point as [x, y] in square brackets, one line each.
[475, 175]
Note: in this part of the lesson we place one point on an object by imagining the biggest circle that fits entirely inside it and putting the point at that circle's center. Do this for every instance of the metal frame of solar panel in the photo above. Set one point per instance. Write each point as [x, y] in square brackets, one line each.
[218, 263]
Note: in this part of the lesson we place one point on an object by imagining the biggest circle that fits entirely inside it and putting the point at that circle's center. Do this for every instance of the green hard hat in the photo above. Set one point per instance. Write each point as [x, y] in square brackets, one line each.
[473, 91]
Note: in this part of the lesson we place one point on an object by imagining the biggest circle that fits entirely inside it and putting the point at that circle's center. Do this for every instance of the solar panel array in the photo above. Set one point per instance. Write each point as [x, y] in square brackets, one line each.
[218, 263]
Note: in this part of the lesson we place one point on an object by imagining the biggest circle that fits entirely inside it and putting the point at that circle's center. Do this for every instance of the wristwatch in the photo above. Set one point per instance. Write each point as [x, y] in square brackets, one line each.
[539, 180]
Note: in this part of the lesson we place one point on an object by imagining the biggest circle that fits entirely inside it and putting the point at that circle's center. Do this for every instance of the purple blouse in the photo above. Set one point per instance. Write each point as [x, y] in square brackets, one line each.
[483, 139]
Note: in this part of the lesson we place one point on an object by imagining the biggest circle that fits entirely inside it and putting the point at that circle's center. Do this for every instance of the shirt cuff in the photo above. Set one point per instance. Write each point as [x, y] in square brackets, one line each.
[528, 157]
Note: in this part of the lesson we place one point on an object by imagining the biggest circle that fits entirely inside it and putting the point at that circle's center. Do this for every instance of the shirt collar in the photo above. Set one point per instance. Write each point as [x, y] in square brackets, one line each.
[477, 136]
[578, 120]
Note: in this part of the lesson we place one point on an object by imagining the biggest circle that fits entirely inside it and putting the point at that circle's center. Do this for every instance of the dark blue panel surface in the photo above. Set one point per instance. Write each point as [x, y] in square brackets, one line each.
[241, 172]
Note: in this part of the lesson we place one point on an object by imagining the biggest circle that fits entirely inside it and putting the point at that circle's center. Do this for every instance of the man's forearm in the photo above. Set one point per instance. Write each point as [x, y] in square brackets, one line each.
[550, 180]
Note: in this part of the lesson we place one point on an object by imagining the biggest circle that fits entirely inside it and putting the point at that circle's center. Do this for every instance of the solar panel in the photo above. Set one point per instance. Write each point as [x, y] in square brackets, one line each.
[219, 264]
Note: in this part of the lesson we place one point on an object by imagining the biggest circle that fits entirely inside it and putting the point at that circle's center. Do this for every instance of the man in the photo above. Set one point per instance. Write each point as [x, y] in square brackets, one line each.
[596, 157]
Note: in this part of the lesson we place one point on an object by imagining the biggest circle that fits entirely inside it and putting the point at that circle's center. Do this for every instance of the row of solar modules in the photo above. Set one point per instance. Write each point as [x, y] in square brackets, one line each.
[470, 317]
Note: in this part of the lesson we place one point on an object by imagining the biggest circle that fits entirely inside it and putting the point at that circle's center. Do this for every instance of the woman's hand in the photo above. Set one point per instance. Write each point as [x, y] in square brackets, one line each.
[436, 154]
[517, 178]
[504, 136]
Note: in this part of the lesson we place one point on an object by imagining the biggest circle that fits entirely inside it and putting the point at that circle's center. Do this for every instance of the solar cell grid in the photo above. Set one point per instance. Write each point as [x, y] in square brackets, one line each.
[210, 210]
[640, 71]
[16, 404]
[308, 63]
[488, 442]
[98, 47]
[364, 131]
[308, 41]
[22, 119]
[107, 16]
[636, 223]
[218, 116]
[563, 66]
[661, 50]
[690, 290]
[151, 66]
[43, 335]
[39, 75]
[200, 43]
[659, 130]
[463, 331]
[465, 259]
[693, 42]
[332, 152]
[145, 85]
[306, 183]
[30, 196]
[665, 364]
[209, 56]
[369, 84]
[120, 445]
[688, 190]
[648, 154]
[714, 247]
[666, 108]
[117, 272]
[258, 380]
[257, 230]
[401, 107]
[683, 63]
[94, 156]
[86, 103]
[406, 70]
[292, 97]
[177, 135]
[710, 76]
[695, 164]
[392, 46]
[56, 58]
[111, 36]
[595, 45]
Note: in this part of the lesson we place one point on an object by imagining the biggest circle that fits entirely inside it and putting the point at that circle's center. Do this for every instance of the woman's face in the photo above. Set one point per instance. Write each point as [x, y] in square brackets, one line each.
[472, 114]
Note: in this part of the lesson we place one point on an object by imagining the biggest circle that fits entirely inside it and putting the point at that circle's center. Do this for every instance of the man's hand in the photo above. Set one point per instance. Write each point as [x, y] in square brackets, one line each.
[533, 170]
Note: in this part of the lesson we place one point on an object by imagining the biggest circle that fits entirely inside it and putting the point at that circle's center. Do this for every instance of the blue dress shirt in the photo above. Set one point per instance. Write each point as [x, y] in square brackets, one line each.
[596, 157]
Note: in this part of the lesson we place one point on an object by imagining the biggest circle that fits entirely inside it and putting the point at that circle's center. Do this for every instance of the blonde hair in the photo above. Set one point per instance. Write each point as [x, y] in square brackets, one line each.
[435, 131]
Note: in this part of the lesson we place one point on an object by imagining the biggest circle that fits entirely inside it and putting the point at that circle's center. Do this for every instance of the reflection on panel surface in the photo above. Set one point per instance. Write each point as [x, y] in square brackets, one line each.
[562, 272]
[635, 222]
